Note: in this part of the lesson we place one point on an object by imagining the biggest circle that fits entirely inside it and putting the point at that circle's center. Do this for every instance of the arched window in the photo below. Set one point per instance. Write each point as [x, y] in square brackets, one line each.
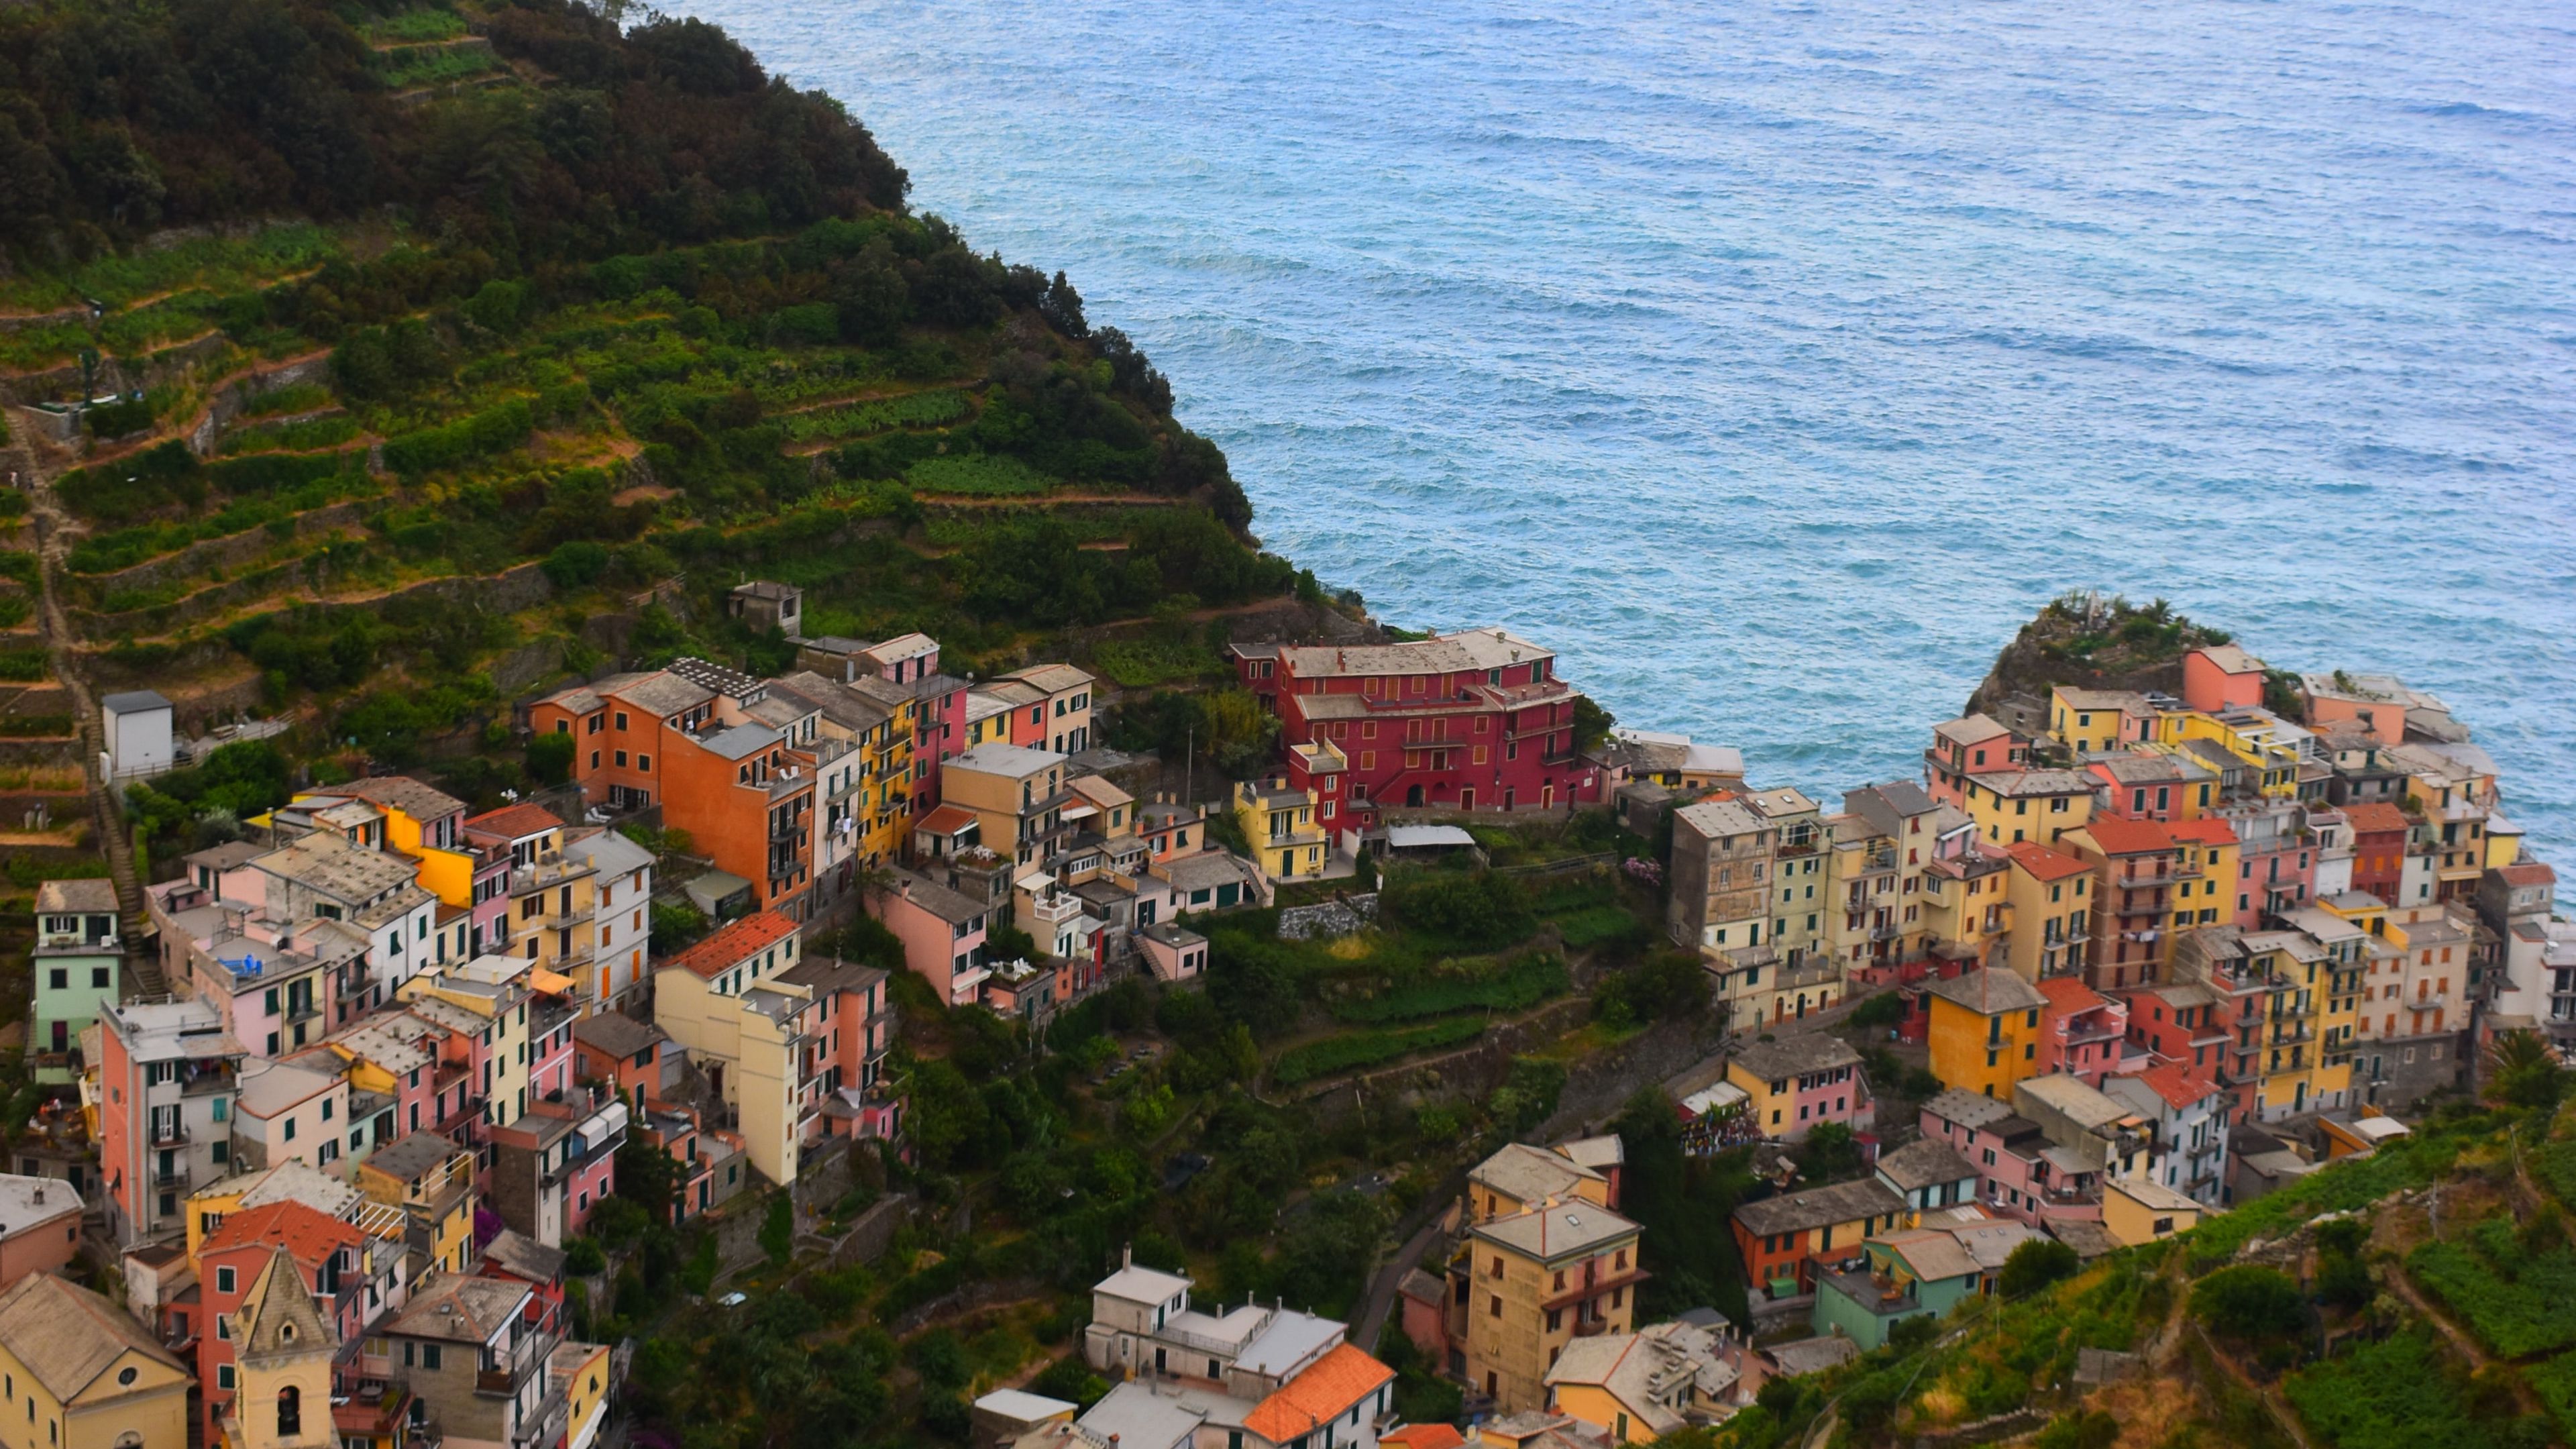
[290, 1412]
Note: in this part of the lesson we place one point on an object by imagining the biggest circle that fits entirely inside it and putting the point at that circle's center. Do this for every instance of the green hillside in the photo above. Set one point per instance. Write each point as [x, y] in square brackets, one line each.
[454, 347]
[2423, 1296]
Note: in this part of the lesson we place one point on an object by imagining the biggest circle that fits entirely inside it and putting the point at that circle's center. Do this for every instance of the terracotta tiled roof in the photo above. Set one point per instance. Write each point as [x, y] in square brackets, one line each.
[309, 1235]
[2372, 817]
[2045, 863]
[2066, 993]
[1318, 1396]
[2204, 831]
[2119, 835]
[514, 821]
[1423, 1436]
[2169, 1081]
[740, 941]
[2528, 873]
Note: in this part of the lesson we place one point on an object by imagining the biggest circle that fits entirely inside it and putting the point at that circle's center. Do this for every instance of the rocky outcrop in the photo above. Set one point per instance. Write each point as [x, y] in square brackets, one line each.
[2092, 642]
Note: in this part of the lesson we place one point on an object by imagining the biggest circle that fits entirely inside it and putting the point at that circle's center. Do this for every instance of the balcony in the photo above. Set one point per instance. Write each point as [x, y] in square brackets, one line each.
[525, 1358]
[176, 1174]
[169, 1132]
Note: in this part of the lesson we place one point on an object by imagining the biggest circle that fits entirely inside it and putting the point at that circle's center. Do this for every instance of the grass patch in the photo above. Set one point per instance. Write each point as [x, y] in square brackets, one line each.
[1481, 984]
[211, 263]
[2518, 1302]
[2395, 1394]
[437, 65]
[915, 410]
[2555, 1382]
[2345, 1186]
[296, 437]
[414, 26]
[978, 475]
[1139, 663]
[1369, 1048]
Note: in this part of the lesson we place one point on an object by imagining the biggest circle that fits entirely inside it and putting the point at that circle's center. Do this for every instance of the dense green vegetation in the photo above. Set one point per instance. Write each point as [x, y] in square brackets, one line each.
[622, 305]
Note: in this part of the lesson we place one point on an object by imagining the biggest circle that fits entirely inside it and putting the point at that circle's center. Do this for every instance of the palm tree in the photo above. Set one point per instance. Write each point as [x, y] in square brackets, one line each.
[2523, 1069]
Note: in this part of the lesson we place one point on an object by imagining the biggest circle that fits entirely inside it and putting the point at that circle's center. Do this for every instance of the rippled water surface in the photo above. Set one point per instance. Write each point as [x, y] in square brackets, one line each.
[1775, 361]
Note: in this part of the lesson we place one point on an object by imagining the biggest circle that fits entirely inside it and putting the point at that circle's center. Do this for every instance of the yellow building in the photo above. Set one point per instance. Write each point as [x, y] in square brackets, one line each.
[2257, 737]
[2097, 721]
[1536, 1280]
[84, 1374]
[870, 782]
[1967, 903]
[491, 993]
[1639, 1387]
[1793, 1084]
[2049, 900]
[2318, 970]
[430, 1181]
[581, 1369]
[283, 1347]
[1279, 826]
[1520, 1177]
[1984, 1031]
[2034, 806]
[2210, 846]
[2140, 1209]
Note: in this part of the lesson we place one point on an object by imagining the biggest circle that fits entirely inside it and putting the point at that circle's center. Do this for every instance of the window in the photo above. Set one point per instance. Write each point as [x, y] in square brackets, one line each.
[1494, 1307]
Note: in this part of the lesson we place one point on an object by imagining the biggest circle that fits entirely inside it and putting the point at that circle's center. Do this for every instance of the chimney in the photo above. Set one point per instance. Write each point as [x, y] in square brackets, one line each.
[1126, 1259]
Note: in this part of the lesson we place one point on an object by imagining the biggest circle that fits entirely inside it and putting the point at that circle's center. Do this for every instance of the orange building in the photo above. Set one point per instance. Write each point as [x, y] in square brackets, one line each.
[680, 738]
[2136, 866]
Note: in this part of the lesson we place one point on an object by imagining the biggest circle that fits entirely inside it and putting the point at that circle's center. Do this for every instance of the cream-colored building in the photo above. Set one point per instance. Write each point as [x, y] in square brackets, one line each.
[84, 1374]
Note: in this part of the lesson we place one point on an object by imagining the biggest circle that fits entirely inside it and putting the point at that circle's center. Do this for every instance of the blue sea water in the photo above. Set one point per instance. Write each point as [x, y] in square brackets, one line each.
[1774, 361]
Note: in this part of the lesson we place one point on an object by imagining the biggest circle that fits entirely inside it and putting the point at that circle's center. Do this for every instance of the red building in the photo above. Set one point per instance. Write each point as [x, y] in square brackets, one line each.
[1475, 720]
[2379, 832]
[331, 1256]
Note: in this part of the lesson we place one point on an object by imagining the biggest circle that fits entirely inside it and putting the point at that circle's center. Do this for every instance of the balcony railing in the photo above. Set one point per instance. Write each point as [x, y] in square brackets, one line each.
[176, 1174]
[169, 1133]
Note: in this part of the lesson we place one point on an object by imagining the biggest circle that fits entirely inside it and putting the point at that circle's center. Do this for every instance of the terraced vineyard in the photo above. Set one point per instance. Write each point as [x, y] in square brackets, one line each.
[367, 468]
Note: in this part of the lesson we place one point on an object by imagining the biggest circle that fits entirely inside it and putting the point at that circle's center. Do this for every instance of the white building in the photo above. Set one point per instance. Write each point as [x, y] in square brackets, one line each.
[621, 917]
[138, 735]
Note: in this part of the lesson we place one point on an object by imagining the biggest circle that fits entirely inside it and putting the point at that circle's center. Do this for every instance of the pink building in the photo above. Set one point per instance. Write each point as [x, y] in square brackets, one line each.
[2020, 1173]
[1973, 745]
[2220, 678]
[40, 1220]
[2082, 1032]
[636, 1059]
[942, 932]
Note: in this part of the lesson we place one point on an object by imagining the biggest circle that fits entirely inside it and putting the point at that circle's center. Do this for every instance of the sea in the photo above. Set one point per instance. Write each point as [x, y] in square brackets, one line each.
[1774, 362]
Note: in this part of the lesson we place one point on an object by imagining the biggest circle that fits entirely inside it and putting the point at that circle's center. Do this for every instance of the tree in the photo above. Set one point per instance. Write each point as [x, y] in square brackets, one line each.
[2523, 1070]
[2036, 1264]
[550, 758]
[2248, 1302]
[1885, 1009]
[1830, 1153]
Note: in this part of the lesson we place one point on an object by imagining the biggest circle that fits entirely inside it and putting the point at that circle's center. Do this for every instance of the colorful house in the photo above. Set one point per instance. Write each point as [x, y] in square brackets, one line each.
[1476, 720]
[1782, 1238]
[78, 968]
[2081, 1031]
[1283, 826]
[1794, 1084]
[1984, 1030]
[2050, 895]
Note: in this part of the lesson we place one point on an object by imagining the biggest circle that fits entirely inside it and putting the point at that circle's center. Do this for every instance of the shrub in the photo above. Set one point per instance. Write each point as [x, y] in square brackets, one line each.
[116, 419]
[491, 431]
[2036, 1264]
[1479, 912]
[1885, 1009]
[2249, 1302]
[576, 565]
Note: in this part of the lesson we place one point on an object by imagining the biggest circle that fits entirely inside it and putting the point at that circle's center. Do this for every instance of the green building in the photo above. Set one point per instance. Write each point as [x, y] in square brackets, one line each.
[79, 967]
[1922, 1273]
